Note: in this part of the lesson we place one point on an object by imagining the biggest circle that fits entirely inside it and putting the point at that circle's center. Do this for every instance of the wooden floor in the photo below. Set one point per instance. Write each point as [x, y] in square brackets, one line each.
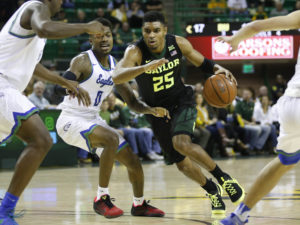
[64, 196]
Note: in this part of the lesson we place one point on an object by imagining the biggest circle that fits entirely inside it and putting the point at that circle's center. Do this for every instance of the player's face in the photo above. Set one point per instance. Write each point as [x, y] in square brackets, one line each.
[102, 43]
[154, 35]
[55, 6]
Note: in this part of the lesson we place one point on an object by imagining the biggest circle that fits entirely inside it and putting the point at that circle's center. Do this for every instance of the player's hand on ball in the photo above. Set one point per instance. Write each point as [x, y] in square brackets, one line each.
[160, 112]
[153, 65]
[227, 74]
[95, 27]
[234, 44]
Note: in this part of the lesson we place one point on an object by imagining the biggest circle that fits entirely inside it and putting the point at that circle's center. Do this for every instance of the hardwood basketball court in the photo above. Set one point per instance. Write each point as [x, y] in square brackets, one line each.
[64, 196]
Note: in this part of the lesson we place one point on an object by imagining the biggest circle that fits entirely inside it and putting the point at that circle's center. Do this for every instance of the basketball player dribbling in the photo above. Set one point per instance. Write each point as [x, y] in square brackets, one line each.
[22, 41]
[154, 62]
[288, 106]
[82, 126]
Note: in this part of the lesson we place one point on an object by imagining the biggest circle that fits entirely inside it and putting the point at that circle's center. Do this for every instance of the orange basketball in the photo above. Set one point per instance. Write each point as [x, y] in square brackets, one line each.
[219, 91]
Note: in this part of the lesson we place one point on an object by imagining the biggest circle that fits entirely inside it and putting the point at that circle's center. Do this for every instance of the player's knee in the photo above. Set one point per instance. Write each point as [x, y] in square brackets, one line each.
[111, 139]
[43, 142]
[181, 146]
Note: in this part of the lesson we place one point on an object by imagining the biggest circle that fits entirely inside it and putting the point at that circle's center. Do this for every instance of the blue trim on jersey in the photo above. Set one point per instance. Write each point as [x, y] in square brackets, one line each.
[13, 23]
[109, 61]
[114, 60]
[122, 146]
[22, 37]
[17, 118]
[91, 71]
[85, 134]
[288, 158]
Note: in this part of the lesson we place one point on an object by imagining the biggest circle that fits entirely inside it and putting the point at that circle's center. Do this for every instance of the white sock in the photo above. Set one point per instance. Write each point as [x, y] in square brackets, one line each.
[242, 212]
[101, 191]
[138, 201]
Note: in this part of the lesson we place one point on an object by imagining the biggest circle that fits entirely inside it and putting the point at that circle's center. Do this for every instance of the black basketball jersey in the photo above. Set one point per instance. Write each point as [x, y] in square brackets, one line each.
[163, 86]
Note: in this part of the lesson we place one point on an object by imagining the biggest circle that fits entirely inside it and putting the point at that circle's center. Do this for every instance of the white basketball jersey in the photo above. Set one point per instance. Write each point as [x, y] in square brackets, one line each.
[295, 81]
[20, 50]
[99, 85]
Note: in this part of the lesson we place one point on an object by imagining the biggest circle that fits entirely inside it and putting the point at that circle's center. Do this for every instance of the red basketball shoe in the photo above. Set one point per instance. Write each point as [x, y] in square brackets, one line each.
[105, 207]
[146, 210]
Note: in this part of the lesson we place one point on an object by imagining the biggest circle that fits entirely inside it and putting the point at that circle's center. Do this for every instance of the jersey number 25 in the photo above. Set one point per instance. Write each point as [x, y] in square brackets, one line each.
[163, 82]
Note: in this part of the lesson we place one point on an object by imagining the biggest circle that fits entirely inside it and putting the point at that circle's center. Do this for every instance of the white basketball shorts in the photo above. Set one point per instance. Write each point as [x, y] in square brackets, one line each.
[75, 129]
[288, 146]
[14, 107]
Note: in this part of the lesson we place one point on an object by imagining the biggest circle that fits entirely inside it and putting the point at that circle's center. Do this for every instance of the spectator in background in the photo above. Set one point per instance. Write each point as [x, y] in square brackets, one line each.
[116, 4]
[139, 122]
[260, 13]
[237, 8]
[262, 91]
[104, 113]
[81, 16]
[217, 6]
[61, 16]
[117, 120]
[135, 15]
[154, 5]
[201, 134]
[115, 22]
[49, 92]
[125, 35]
[297, 5]
[37, 97]
[120, 13]
[256, 135]
[68, 4]
[278, 88]
[198, 88]
[263, 115]
[278, 10]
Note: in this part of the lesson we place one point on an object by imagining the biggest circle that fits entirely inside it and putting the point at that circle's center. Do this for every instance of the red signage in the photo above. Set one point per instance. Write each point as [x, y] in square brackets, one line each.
[272, 47]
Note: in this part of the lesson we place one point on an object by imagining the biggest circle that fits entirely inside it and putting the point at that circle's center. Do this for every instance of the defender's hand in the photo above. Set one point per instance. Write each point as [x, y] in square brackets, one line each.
[231, 41]
[95, 27]
[160, 112]
[227, 74]
[74, 90]
[153, 65]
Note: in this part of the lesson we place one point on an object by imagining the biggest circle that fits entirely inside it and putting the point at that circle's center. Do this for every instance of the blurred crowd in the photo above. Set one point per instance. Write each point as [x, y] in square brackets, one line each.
[252, 9]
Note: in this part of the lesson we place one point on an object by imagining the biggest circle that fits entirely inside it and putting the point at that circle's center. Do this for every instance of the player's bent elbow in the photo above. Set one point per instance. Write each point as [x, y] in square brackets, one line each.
[42, 33]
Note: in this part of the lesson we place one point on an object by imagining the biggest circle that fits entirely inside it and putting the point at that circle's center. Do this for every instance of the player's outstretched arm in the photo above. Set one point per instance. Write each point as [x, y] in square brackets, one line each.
[43, 73]
[139, 106]
[288, 22]
[44, 27]
[130, 65]
[198, 60]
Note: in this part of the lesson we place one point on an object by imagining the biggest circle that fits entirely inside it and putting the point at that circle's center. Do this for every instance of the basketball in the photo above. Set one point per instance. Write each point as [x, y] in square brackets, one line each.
[219, 91]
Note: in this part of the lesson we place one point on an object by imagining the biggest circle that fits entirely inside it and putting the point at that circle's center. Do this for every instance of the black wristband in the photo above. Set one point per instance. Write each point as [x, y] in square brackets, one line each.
[69, 75]
[63, 91]
[207, 66]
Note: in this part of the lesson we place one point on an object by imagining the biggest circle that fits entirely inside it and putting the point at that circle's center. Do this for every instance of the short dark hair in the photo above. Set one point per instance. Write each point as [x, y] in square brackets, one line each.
[105, 22]
[154, 16]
